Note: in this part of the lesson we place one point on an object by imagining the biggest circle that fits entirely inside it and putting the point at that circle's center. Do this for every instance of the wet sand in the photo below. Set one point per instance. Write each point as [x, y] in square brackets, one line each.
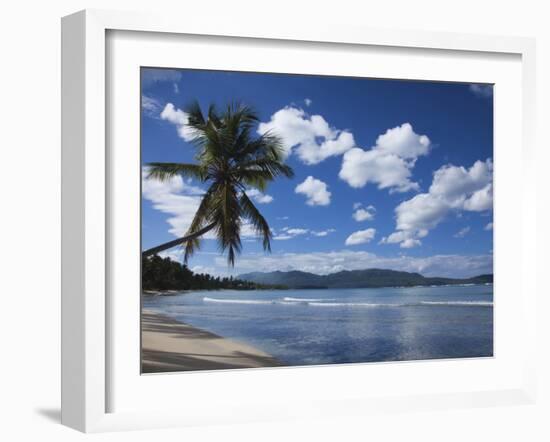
[171, 346]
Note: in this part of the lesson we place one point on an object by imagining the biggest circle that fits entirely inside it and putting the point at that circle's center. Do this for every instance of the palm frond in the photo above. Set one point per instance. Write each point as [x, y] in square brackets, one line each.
[258, 221]
[267, 144]
[243, 116]
[195, 118]
[235, 126]
[165, 171]
[201, 218]
[211, 143]
[269, 168]
[213, 116]
[190, 248]
[257, 179]
[227, 215]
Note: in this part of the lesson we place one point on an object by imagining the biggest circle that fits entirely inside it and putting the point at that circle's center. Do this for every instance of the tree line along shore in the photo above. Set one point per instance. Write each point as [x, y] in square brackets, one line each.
[164, 274]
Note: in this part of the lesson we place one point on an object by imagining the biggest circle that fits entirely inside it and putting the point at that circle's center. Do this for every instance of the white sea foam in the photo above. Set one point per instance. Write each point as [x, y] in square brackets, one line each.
[352, 304]
[318, 302]
[459, 303]
[290, 299]
[409, 304]
[237, 301]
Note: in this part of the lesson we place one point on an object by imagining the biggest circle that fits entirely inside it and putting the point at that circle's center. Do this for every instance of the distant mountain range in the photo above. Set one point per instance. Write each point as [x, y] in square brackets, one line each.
[369, 278]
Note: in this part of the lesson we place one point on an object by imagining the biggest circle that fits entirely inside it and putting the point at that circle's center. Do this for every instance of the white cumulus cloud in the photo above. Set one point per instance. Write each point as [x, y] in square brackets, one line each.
[259, 197]
[410, 243]
[423, 211]
[454, 188]
[459, 187]
[405, 239]
[389, 163]
[363, 214]
[179, 119]
[403, 142]
[480, 200]
[360, 237]
[315, 190]
[175, 198]
[310, 136]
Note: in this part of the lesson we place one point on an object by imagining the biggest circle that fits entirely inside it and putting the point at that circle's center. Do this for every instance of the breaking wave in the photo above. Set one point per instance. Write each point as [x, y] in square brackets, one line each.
[237, 301]
[319, 302]
[460, 303]
[289, 299]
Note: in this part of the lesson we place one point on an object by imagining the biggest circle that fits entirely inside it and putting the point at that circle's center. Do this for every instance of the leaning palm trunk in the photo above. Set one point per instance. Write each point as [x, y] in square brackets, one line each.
[177, 242]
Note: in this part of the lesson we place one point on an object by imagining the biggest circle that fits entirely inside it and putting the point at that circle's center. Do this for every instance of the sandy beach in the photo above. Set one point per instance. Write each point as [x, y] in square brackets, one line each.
[169, 345]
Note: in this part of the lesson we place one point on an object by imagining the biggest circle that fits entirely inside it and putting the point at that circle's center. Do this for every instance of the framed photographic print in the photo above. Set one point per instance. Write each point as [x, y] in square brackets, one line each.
[292, 223]
[313, 250]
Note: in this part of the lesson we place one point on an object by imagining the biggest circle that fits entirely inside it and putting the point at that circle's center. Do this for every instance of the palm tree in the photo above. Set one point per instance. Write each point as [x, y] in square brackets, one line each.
[229, 161]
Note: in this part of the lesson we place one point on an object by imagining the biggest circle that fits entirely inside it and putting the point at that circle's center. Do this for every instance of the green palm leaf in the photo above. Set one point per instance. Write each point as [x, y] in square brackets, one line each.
[258, 221]
[165, 171]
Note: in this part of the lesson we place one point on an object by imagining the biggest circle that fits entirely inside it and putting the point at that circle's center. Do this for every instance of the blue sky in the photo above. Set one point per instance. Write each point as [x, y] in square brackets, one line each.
[391, 174]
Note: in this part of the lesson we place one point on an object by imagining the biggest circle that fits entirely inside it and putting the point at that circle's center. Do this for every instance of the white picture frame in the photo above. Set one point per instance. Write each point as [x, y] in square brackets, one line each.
[86, 315]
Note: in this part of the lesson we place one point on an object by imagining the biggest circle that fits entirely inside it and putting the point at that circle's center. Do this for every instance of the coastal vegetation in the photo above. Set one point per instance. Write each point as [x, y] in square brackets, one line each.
[160, 274]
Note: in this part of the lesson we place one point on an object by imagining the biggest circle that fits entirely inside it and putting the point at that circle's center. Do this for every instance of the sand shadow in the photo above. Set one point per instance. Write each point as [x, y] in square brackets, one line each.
[155, 361]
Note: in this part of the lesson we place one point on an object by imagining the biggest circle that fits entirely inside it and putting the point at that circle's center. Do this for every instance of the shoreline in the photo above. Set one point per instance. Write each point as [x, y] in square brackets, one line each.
[163, 292]
[180, 292]
[168, 345]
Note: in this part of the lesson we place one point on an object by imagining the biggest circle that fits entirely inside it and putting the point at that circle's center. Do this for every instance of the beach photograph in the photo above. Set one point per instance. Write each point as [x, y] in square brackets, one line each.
[301, 220]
